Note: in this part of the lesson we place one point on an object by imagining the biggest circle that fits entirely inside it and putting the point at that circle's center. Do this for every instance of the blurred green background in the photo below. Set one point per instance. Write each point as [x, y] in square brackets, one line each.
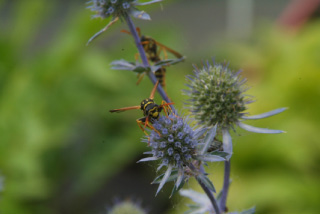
[61, 151]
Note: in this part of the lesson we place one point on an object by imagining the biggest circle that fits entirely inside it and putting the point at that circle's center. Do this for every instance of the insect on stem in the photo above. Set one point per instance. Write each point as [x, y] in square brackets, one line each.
[144, 58]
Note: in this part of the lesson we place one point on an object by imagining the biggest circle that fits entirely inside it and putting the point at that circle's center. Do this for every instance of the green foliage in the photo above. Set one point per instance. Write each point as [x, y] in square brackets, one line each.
[59, 145]
[283, 69]
[58, 142]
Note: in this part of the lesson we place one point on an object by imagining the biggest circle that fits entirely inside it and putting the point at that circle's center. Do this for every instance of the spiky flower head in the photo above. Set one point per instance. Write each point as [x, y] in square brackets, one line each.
[216, 94]
[118, 8]
[177, 146]
[217, 97]
[126, 207]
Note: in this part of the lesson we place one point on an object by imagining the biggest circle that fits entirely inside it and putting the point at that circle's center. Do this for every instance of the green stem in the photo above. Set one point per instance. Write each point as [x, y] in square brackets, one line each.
[206, 189]
[225, 189]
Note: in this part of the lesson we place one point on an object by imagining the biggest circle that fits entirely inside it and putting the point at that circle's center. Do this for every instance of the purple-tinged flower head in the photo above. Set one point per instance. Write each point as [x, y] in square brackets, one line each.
[127, 206]
[177, 146]
[173, 131]
[117, 9]
[105, 8]
[217, 97]
[121, 8]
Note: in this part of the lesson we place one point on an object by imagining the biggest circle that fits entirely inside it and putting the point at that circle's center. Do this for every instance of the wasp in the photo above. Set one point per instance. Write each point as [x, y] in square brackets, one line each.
[153, 50]
[151, 111]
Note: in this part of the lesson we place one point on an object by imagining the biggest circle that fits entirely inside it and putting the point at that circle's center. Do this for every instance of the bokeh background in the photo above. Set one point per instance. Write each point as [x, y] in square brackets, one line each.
[61, 151]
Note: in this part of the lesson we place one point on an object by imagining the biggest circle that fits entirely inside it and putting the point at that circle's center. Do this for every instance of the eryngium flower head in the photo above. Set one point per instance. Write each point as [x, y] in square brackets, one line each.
[216, 95]
[177, 145]
[118, 8]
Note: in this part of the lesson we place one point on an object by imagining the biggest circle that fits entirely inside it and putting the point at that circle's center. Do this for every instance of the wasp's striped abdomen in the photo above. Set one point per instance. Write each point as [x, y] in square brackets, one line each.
[161, 76]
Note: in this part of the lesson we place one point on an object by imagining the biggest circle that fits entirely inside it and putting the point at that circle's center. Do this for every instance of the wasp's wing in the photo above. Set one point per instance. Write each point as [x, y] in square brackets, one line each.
[175, 53]
[124, 109]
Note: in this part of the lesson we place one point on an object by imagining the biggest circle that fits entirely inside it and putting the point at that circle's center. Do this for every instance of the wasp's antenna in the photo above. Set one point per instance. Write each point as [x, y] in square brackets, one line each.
[154, 90]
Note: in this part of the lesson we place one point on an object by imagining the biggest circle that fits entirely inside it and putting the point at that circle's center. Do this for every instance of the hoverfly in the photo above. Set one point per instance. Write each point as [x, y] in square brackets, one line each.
[153, 50]
[151, 111]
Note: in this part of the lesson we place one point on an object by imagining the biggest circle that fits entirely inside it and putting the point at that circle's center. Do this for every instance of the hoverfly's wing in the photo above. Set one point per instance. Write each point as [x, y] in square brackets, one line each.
[124, 109]
[154, 90]
[175, 53]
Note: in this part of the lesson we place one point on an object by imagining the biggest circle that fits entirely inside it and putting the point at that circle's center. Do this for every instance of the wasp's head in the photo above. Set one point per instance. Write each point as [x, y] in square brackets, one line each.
[145, 103]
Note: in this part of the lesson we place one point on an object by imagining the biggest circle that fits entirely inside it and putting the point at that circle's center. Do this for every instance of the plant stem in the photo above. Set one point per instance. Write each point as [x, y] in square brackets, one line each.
[144, 58]
[206, 189]
[210, 196]
[225, 189]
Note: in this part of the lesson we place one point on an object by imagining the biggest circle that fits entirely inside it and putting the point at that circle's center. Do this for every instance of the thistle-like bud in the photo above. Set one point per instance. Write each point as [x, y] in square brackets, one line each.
[126, 207]
[216, 95]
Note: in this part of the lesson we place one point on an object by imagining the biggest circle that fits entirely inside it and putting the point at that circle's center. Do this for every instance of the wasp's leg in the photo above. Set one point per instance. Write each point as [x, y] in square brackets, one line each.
[166, 108]
[143, 123]
[164, 52]
[140, 76]
[140, 123]
[138, 31]
[136, 56]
